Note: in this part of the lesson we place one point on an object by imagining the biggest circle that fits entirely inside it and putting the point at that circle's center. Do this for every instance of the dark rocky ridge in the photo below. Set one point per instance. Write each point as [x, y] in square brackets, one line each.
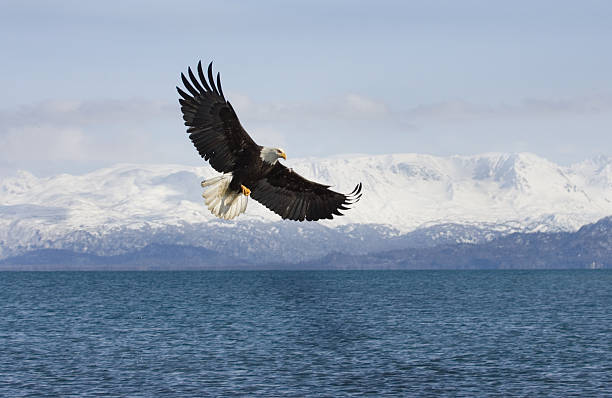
[589, 247]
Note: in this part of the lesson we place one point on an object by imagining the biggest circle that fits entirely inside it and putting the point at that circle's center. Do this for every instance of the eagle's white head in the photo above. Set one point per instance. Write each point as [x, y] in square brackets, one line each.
[271, 155]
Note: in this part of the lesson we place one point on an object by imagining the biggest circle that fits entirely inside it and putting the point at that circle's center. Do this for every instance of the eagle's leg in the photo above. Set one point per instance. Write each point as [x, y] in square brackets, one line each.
[246, 191]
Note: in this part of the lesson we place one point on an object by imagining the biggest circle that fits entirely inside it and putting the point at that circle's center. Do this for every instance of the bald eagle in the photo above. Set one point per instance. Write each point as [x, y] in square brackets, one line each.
[248, 168]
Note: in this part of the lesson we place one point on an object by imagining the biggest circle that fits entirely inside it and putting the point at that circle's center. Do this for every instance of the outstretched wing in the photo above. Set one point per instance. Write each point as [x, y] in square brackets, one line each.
[213, 126]
[293, 197]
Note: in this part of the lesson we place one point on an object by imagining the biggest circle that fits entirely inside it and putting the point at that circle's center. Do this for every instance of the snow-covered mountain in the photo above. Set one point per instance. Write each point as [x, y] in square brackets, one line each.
[404, 196]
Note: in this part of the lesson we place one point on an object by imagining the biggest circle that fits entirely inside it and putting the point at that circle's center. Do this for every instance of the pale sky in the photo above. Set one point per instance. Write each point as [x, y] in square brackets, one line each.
[89, 84]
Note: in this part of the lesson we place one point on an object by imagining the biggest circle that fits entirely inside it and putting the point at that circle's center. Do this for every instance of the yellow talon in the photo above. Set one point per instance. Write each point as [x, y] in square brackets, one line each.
[246, 191]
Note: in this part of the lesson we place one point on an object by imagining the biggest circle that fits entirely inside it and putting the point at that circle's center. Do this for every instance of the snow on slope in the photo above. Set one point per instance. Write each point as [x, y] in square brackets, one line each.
[403, 191]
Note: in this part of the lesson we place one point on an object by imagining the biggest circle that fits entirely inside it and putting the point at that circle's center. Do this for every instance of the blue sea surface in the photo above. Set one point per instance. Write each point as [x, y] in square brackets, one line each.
[303, 333]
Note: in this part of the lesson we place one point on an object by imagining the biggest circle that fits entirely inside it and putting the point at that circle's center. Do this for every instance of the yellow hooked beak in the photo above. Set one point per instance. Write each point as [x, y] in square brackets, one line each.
[282, 154]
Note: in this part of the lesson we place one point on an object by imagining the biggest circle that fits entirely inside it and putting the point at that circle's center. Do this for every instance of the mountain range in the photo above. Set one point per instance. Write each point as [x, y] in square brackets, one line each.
[411, 202]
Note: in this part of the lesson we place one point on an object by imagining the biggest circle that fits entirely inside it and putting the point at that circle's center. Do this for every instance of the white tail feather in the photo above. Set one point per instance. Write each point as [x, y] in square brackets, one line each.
[222, 202]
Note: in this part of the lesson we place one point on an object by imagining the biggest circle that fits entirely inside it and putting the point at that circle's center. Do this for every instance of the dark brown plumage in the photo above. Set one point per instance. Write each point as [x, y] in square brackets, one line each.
[217, 134]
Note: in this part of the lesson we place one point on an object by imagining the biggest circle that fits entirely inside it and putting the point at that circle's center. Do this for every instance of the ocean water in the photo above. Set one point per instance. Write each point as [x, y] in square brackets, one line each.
[302, 333]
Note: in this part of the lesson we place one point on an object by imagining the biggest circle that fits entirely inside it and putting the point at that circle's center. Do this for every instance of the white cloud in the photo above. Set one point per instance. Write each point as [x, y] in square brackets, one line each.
[35, 143]
[82, 134]
[103, 132]
[363, 106]
[350, 106]
[87, 113]
[463, 111]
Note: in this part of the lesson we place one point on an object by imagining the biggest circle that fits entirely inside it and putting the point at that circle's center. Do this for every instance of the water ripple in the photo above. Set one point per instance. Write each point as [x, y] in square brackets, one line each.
[391, 333]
